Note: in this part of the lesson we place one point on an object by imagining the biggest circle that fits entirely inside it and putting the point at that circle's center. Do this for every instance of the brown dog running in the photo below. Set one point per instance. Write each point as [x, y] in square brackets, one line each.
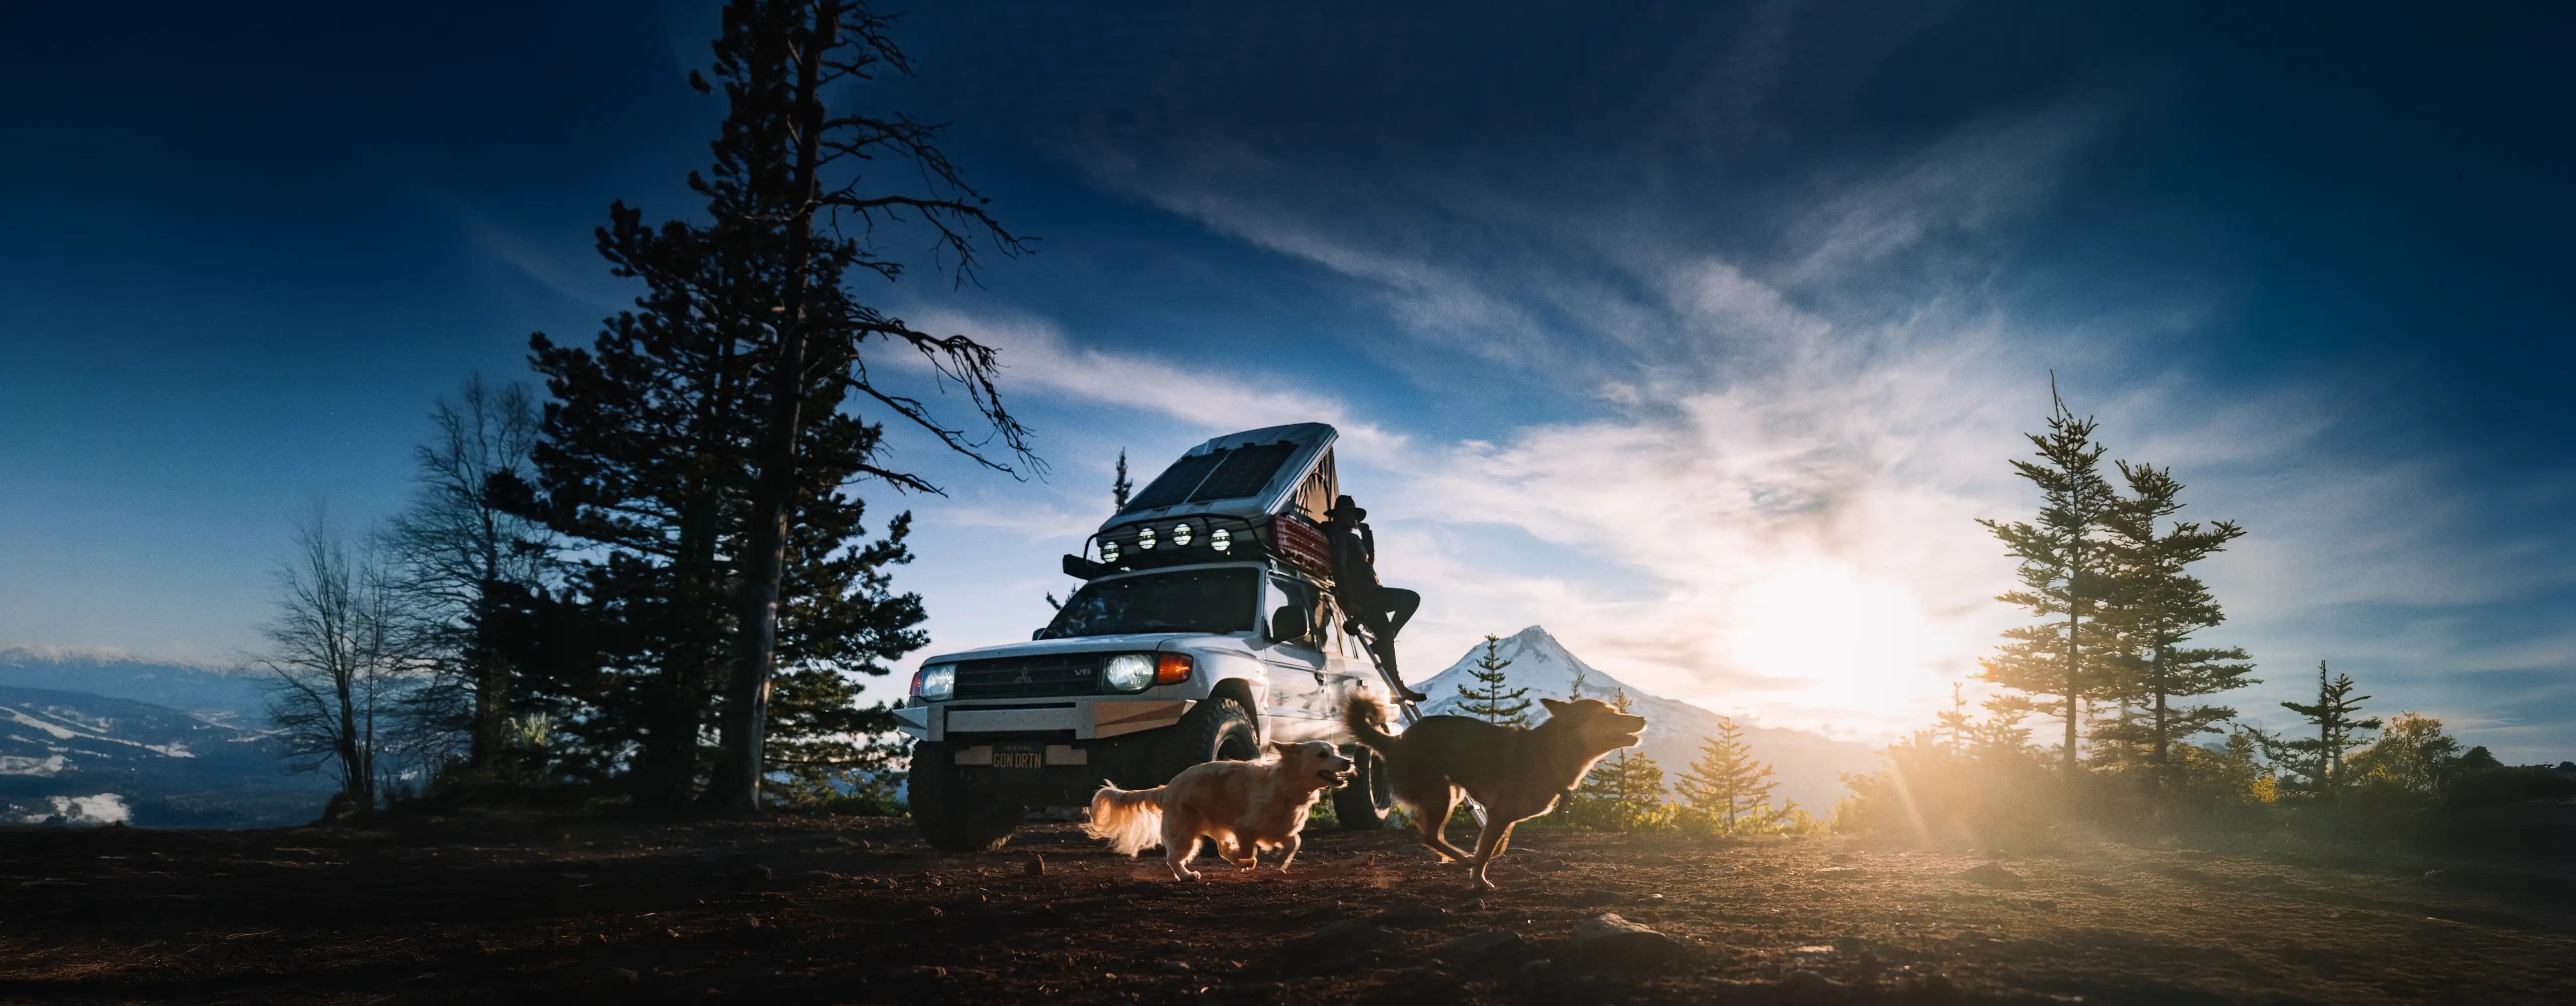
[1246, 806]
[1515, 773]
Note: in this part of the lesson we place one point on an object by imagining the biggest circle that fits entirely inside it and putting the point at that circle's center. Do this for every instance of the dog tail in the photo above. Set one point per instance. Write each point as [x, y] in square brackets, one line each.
[1366, 720]
[1131, 819]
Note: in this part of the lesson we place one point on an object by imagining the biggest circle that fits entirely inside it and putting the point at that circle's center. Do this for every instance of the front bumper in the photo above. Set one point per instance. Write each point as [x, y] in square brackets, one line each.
[1073, 718]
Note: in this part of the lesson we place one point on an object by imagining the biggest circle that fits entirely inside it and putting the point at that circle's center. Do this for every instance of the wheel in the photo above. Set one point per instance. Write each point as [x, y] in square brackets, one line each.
[1362, 805]
[950, 811]
[1214, 730]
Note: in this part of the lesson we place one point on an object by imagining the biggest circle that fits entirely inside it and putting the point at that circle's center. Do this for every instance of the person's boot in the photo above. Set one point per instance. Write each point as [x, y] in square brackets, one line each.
[1402, 690]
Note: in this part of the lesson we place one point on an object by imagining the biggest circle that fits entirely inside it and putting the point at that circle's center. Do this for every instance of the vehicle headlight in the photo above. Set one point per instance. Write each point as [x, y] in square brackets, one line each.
[1129, 672]
[935, 681]
[1220, 539]
[1109, 551]
[1181, 535]
[1145, 539]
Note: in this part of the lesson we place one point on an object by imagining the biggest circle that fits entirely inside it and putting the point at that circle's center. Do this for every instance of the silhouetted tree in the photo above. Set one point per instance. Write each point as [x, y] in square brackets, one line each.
[1726, 786]
[1956, 721]
[797, 194]
[1624, 792]
[2157, 607]
[1487, 694]
[642, 464]
[2001, 732]
[709, 441]
[2065, 571]
[2319, 761]
[333, 662]
[456, 553]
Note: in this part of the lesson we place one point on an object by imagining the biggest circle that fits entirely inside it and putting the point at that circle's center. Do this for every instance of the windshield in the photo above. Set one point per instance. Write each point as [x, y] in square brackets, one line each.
[1192, 600]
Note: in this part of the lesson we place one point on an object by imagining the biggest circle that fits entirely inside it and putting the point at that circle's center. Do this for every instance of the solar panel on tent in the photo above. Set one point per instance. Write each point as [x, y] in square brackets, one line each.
[1174, 485]
[1245, 472]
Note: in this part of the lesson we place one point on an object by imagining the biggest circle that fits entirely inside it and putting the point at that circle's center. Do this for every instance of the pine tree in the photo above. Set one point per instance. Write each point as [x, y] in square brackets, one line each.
[1726, 785]
[709, 442]
[1625, 792]
[1956, 720]
[2159, 607]
[2001, 732]
[641, 461]
[1487, 694]
[2065, 573]
[796, 203]
[1121, 488]
[2319, 761]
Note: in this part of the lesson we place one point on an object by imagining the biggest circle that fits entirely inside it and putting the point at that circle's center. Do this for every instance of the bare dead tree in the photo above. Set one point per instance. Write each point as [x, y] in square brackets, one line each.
[333, 660]
[453, 552]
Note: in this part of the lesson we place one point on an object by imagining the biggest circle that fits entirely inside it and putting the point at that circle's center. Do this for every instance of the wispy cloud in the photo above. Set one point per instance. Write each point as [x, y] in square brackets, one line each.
[1772, 510]
[570, 272]
[1037, 355]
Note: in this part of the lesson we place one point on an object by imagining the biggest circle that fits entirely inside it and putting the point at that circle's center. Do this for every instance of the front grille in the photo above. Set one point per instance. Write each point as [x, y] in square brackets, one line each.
[1024, 677]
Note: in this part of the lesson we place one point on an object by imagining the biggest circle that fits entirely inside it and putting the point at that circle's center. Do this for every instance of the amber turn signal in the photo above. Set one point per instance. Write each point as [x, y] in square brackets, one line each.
[1171, 668]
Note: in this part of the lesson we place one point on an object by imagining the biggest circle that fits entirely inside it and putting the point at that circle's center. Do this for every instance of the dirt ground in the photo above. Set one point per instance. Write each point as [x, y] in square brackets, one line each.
[858, 910]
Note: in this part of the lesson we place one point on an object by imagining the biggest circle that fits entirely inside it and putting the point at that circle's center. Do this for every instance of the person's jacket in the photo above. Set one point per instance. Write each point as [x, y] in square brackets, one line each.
[1354, 558]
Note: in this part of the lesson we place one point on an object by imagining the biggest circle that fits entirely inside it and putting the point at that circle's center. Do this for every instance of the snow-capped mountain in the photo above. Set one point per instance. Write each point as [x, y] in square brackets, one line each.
[62, 750]
[1807, 765]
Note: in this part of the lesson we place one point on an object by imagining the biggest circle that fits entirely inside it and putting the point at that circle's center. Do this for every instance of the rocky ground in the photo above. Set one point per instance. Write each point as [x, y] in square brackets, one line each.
[856, 909]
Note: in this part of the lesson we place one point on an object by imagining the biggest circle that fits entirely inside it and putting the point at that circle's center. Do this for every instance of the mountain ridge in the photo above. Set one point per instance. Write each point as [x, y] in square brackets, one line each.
[214, 694]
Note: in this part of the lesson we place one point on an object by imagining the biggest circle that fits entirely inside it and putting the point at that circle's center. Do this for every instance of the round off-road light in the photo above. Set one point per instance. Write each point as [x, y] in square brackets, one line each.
[1220, 539]
[1181, 535]
[1109, 551]
[1128, 672]
[1145, 539]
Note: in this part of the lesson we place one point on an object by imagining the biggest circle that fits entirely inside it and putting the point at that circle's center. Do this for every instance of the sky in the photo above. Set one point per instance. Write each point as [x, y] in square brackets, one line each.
[1700, 334]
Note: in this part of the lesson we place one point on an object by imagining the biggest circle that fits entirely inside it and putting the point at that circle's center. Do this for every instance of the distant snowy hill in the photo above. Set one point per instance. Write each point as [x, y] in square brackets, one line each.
[1808, 765]
[96, 759]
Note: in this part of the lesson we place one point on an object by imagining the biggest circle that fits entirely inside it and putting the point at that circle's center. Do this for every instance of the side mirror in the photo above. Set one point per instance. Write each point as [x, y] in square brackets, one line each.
[1288, 625]
[1036, 634]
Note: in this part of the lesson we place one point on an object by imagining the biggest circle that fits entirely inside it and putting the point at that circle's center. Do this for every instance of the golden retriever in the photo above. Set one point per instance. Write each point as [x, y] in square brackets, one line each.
[1245, 806]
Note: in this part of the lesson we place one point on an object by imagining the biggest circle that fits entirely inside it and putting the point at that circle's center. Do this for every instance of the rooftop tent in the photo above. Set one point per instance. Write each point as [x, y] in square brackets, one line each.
[1249, 473]
[1176, 483]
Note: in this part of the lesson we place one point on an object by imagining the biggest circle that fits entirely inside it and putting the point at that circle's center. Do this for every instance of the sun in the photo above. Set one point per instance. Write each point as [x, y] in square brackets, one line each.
[1858, 642]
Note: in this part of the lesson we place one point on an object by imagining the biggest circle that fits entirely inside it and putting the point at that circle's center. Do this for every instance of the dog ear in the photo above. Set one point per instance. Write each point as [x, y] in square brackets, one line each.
[1283, 747]
[1553, 706]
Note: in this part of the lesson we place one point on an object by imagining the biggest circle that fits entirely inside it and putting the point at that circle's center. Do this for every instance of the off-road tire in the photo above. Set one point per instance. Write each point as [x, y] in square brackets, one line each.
[1362, 805]
[951, 812]
[1213, 730]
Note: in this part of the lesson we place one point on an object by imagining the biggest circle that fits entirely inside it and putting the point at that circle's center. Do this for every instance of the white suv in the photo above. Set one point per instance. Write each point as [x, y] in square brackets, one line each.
[1205, 628]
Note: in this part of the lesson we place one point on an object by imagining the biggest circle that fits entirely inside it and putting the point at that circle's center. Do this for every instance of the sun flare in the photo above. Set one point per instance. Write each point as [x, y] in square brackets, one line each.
[1852, 640]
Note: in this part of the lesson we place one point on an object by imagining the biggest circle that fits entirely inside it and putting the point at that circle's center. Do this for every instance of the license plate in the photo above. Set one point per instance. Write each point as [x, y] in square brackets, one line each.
[1018, 758]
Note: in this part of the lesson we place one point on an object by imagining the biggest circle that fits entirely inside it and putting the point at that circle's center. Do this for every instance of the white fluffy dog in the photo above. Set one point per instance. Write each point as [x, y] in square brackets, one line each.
[1246, 806]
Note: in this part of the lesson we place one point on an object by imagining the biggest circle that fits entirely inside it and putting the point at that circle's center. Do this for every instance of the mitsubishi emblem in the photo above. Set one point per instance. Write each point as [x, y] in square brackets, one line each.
[1023, 679]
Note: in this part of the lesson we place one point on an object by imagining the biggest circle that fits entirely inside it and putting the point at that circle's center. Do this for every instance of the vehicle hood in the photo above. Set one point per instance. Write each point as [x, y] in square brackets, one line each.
[1130, 643]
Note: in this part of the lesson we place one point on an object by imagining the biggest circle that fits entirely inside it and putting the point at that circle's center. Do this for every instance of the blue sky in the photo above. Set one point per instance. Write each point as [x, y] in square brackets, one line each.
[1698, 333]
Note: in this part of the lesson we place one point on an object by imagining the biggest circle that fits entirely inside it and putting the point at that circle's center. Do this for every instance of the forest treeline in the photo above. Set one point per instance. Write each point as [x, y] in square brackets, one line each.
[660, 582]
[2114, 653]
